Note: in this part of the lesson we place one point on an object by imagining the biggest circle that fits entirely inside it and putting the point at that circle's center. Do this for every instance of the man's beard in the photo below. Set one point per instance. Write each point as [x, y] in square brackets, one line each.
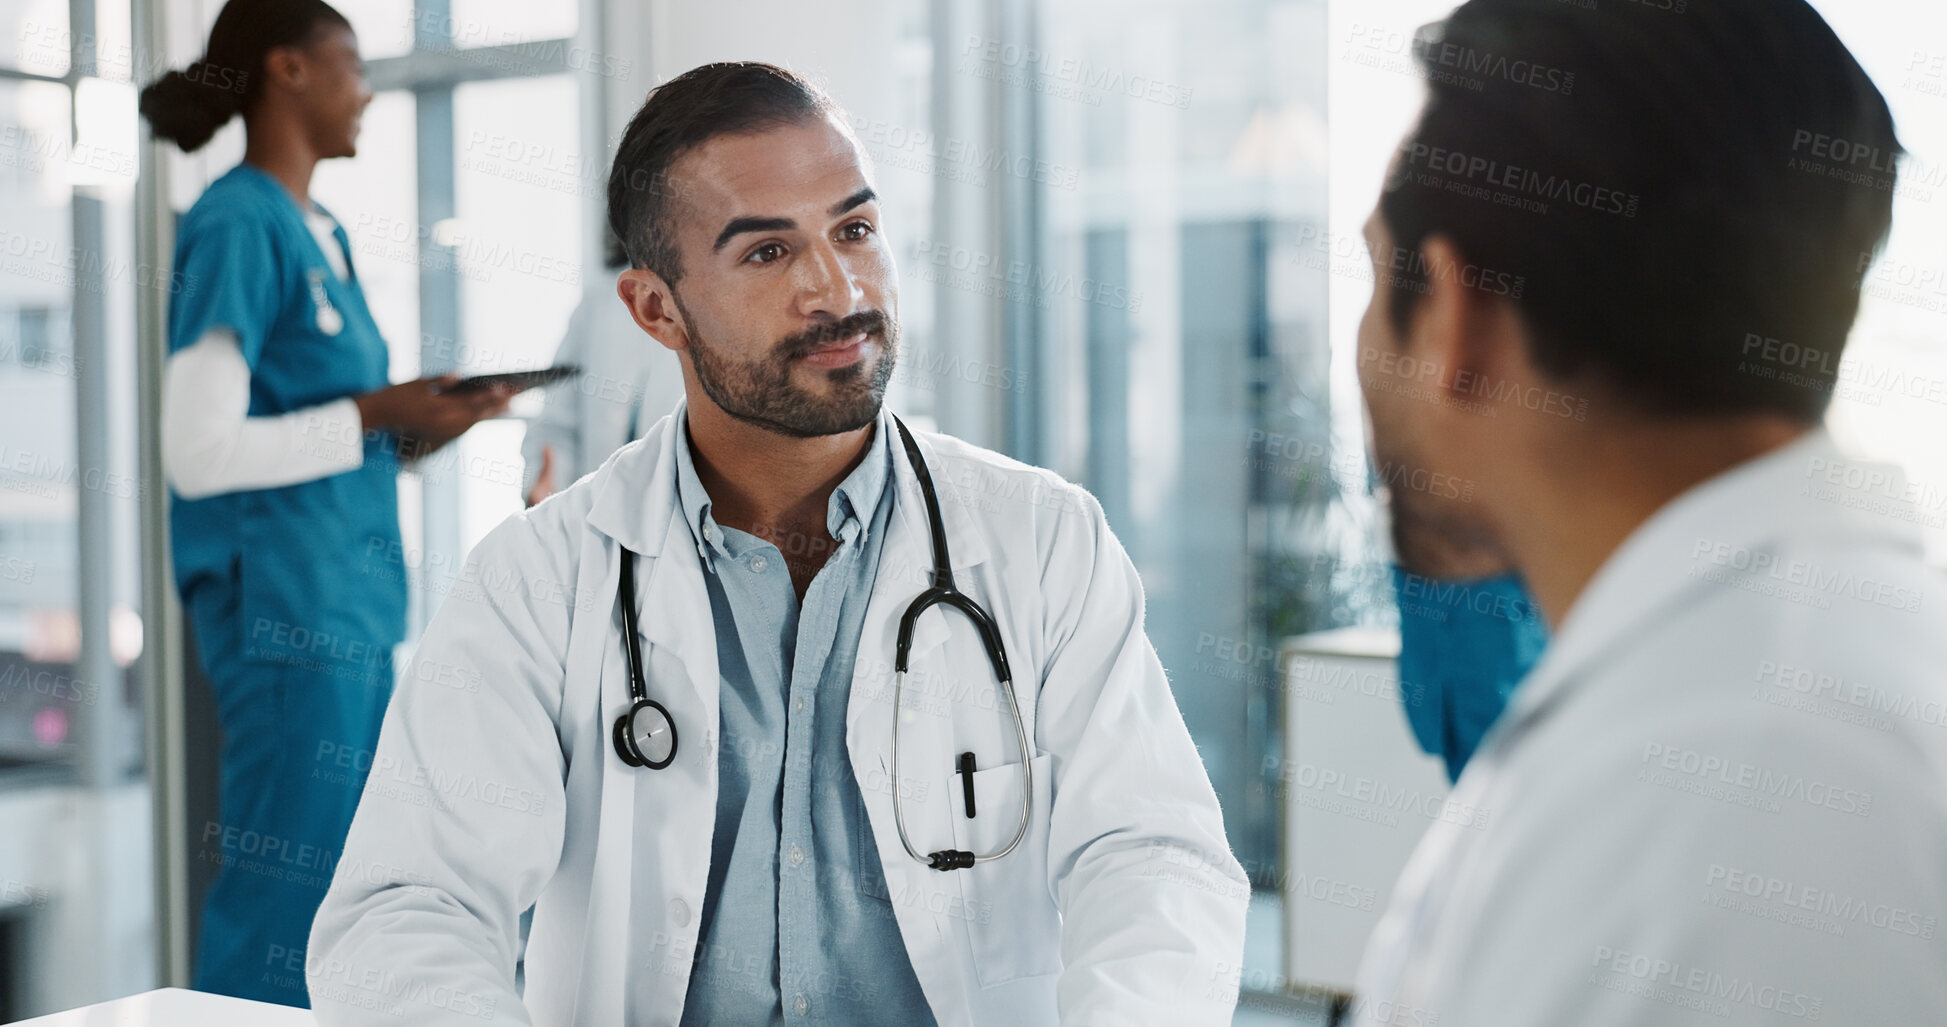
[1430, 535]
[760, 391]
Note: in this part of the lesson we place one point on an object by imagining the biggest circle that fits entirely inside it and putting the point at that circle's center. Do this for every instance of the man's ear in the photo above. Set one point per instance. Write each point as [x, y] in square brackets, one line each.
[653, 305]
[1468, 334]
[1471, 334]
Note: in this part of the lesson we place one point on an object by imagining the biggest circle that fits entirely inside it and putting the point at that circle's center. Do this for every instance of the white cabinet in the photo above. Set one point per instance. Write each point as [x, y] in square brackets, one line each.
[1358, 793]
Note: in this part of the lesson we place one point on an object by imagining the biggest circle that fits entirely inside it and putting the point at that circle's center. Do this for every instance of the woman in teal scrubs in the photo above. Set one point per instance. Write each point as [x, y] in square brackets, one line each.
[282, 440]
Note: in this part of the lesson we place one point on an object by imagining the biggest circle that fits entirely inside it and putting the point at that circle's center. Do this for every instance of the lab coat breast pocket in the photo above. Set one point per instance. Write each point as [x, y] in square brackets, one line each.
[1011, 917]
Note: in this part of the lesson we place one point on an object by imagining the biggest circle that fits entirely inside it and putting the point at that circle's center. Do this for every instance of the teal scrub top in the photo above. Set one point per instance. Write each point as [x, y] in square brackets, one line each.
[318, 566]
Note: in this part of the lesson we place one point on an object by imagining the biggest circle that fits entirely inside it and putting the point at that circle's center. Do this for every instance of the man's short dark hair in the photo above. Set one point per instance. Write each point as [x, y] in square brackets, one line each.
[1667, 183]
[729, 98]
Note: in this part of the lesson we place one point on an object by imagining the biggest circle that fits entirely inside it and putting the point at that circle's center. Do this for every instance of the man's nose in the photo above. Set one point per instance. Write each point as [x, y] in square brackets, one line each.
[828, 286]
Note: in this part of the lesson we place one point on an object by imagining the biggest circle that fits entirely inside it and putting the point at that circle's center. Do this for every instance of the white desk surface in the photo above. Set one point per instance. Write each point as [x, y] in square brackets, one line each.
[175, 1007]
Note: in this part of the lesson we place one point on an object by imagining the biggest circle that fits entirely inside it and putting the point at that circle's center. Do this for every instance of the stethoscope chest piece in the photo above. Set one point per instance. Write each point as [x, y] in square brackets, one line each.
[646, 736]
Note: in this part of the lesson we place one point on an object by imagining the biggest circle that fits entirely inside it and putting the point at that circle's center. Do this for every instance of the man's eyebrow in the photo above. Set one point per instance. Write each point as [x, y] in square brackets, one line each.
[739, 226]
[857, 199]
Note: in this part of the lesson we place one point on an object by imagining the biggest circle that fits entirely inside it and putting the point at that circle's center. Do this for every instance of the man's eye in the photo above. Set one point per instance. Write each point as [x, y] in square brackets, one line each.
[766, 253]
[855, 231]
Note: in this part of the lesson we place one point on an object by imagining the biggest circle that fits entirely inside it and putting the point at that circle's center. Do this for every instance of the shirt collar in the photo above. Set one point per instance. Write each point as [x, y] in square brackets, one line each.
[855, 498]
[848, 514]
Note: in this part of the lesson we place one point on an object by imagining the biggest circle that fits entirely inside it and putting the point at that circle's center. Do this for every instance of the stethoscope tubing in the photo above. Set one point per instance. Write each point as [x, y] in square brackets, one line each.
[1027, 779]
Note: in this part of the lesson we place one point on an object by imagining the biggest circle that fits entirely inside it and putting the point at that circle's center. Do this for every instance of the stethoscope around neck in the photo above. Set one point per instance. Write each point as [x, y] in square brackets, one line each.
[645, 736]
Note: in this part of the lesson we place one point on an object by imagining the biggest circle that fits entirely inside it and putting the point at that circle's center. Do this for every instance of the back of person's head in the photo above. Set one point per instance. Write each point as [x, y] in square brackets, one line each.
[1671, 184]
[729, 98]
[186, 107]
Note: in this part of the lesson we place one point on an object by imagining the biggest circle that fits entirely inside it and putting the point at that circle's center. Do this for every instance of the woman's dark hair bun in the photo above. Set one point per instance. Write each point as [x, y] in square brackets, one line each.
[187, 107]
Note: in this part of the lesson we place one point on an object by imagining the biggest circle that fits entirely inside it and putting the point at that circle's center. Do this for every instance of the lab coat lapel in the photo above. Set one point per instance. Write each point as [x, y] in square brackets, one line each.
[675, 618]
[673, 810]
[662, 874]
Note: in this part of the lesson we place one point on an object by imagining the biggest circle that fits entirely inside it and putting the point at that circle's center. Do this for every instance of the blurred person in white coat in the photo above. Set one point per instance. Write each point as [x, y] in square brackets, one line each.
[1615, 305]
[705, 792]
[626, 384]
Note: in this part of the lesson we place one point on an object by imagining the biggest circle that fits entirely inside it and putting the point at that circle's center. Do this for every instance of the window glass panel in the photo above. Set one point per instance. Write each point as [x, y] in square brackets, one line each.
[37, 31]
[37, 394]
[908, 156]
[114, 41]
[517, 234]
[76, 914]
[1176, 339]
[374, 197]
[1180, 159]
[500, 22]
[384, 27]
[1891, 398]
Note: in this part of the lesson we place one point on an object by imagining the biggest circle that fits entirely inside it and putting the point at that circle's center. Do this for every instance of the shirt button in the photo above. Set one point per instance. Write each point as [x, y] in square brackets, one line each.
[797, 859]
[679, 911]
[713, 533]
[801, 1004]
[759, 564]
[801, 704]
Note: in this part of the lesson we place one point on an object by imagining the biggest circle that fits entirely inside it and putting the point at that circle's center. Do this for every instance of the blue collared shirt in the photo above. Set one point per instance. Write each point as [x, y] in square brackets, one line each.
[793, 928]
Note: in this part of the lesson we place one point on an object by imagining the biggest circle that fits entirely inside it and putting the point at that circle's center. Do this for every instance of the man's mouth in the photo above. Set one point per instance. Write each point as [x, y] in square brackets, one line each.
[838, 353]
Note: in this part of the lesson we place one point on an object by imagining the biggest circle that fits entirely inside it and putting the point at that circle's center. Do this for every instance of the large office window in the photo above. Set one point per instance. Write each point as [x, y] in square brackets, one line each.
[1178, 334]
[1155, 172]
[1891, 399]
[75, 911]
[1158, 180]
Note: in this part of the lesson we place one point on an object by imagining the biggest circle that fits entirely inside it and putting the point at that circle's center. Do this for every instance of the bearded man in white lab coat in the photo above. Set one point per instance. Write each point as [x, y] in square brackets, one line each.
[1615, 307]
[777, 533]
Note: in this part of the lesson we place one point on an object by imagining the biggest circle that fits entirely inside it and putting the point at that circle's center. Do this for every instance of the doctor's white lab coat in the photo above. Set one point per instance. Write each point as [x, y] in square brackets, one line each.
[495, 784]
[1721, 797]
